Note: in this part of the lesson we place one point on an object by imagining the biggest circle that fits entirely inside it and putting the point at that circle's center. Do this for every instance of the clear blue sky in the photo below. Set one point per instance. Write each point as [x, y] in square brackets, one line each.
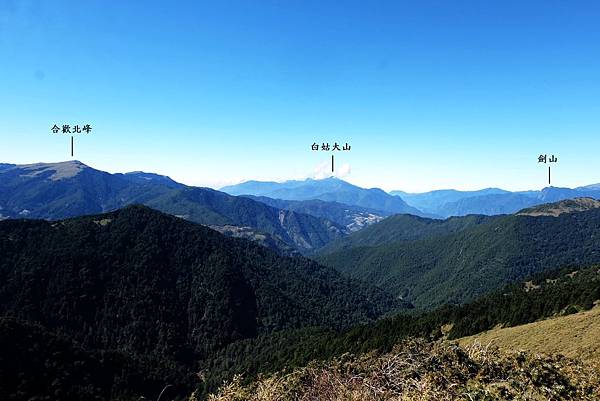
[430, 94]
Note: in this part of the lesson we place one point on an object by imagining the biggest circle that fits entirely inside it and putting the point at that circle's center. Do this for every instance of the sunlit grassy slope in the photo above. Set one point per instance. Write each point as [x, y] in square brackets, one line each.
[575, 335]
[553, 359]
[422, 371]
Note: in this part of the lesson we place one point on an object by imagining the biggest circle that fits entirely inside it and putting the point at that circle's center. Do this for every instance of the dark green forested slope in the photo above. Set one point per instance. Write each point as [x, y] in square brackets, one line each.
[36, 364]
[555, 293]
[404, 227]
[457, 267]
[153, 286]
[118, 305]
[207, 206]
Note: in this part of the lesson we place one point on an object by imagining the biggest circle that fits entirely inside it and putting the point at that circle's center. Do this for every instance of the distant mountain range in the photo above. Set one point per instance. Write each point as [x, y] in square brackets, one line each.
[490, 201]
[292, 216]
[328, 189]
[433, 204]
[110, 290]
[431, 201]
[68, 189]
[433, 262]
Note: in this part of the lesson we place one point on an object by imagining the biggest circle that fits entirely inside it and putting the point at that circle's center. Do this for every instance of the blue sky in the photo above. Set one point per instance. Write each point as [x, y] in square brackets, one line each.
[430, 94]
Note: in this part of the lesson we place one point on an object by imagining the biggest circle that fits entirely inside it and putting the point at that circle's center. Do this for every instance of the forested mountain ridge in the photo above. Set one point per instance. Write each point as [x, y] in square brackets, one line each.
[404, 227]
[558, 208]
[303, 232]
[457, 266]
[60, 190]
[556, 293]
[149, 285]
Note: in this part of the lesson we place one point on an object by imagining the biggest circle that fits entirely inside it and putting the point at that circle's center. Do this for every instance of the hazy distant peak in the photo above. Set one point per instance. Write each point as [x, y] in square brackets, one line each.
[331, 178]
[553, 188]
[592, 187]
[564, 206]
[61, 170]
[265, 188]
[483, 191]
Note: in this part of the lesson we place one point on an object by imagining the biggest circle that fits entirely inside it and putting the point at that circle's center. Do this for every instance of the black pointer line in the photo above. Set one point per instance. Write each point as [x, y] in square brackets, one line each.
[332, 163]
[548, 175]
[71, 146]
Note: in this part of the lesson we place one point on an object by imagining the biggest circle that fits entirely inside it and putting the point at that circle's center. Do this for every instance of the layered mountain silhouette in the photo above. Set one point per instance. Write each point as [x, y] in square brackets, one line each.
[433, 204]
[329, 189]
[67, 189]
[491, 201]
[162, 292]
[291, 217]
[128, 298]
[432, 200]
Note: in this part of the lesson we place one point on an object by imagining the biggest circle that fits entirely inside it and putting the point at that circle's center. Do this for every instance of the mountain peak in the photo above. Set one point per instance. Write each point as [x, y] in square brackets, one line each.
[564, 206]
[61, 170]
[330, 189]
[63, 163]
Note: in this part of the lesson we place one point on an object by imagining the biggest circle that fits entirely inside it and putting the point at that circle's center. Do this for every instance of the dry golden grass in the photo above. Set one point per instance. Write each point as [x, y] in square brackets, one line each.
[576, 336]
[420, 371]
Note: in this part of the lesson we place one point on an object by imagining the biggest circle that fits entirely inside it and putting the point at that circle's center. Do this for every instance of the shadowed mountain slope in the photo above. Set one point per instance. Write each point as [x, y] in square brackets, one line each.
[153, 286]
